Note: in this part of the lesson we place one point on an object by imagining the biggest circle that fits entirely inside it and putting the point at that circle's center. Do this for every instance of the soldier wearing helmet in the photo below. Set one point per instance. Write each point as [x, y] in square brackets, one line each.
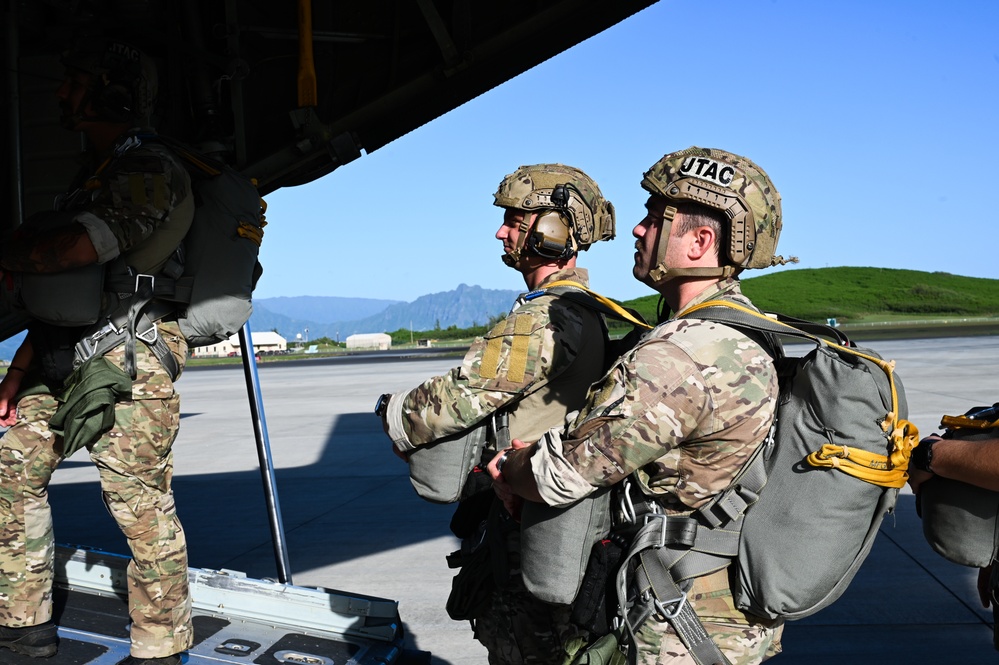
[533, 367]
[676, 417]
[110, 82]
[128, 211]
[557, 212]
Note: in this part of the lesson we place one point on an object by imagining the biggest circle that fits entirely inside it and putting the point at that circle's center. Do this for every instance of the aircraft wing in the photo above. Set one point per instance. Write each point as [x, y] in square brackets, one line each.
[286, 91]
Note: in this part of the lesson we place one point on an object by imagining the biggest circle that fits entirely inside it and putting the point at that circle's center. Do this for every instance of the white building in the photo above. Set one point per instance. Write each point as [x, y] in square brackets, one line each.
[380, 341]
[263, 342]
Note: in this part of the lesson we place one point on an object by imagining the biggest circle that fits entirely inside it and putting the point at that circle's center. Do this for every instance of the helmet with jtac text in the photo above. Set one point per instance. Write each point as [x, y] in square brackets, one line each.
[125, 79]
[564, 211]
[728, 183]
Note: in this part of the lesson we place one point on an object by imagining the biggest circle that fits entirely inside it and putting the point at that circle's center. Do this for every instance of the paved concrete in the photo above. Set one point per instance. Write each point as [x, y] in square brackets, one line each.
[354, 523]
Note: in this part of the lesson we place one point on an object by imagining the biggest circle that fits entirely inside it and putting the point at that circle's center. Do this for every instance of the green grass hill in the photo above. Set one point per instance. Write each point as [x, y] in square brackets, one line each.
[857, 295]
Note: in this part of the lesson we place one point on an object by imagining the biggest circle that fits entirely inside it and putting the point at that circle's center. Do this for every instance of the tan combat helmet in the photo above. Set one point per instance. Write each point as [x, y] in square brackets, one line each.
[725, 182]
[125, 80]
[571, 213]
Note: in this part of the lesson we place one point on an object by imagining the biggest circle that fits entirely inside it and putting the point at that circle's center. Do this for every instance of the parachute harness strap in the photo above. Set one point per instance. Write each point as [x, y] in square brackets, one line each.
[603, 300]
[884, 470]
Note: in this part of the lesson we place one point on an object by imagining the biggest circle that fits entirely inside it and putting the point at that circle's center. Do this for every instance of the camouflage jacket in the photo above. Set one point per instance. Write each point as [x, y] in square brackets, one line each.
[537, 363]
[682, 411]
[138, 204]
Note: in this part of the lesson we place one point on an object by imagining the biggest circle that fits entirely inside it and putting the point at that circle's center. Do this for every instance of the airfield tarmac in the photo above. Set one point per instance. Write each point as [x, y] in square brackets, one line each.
[353, 522]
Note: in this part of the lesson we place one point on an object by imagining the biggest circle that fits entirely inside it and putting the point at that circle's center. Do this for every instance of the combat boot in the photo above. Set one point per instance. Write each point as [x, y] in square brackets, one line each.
[165, 660]
[38, 641]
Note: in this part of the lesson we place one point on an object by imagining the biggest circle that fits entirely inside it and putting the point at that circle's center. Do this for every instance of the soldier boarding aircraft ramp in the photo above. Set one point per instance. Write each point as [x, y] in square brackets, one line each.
[285, 92]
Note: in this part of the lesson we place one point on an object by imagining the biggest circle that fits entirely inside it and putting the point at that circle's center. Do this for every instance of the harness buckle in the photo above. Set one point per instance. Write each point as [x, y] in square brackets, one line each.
[670, 615]
[148, 336]
[662, 526]
[141, 277]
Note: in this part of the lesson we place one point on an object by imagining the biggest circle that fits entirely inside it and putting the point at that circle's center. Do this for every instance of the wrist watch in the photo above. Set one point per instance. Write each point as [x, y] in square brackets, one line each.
[922, 455]
[501, 461]
[381, 406]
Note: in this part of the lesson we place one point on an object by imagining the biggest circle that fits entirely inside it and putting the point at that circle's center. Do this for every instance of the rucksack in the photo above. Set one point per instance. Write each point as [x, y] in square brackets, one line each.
[220, 250]
[802, 514]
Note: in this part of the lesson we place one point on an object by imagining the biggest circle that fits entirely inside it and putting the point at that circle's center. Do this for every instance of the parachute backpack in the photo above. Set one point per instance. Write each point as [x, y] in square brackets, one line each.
[220, 251]
[209, 281]
[802, 514]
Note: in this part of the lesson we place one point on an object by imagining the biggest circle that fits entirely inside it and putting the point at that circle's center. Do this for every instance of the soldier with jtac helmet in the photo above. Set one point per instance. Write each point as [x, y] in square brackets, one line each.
[679, 414]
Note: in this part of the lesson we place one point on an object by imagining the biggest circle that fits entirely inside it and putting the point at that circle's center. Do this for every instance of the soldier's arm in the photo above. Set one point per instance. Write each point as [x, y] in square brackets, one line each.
[144, 189]
[517, 357]
[972, 462]
[50, 251]
[622, 428]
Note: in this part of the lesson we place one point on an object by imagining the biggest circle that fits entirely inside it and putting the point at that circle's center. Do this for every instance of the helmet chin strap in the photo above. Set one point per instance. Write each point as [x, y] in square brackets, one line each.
[512, 258]
[661, 273]
[78, 115]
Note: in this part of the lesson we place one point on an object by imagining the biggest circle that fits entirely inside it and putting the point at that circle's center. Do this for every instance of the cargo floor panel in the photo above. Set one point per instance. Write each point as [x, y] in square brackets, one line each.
[236, 619]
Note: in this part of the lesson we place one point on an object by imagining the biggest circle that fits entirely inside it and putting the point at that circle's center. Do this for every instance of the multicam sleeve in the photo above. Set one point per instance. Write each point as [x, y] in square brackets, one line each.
[651, 399]
[684, 418]
[140, 192]
[517, 357]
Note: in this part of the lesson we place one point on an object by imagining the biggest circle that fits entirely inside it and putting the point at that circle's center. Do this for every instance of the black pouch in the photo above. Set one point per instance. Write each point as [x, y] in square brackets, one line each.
[483, 559]
[592, 608]
[472, 588]
[473, 508]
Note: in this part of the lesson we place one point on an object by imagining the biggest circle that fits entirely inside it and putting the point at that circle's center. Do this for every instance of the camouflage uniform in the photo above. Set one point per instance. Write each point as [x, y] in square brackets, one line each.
[536, 365]
[680, 413]
[139, 205]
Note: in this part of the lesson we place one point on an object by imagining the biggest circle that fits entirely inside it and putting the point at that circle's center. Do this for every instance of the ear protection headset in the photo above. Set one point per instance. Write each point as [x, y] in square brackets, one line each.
[114, 99]
[552, 234]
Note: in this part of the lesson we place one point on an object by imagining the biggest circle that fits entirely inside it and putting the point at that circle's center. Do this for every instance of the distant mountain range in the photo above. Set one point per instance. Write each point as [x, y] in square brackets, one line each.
[337, 318]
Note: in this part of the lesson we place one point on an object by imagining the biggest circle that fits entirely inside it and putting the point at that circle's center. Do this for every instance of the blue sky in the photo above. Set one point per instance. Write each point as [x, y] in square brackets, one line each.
[876, 120]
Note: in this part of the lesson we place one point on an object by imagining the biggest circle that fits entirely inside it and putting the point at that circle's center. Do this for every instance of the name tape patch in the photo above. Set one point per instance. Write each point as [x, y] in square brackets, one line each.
[708, 169]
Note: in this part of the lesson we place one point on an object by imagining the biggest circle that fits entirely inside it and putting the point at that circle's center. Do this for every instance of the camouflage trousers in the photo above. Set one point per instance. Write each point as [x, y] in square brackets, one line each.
[519, 629]
[743, 638]
[135, 463]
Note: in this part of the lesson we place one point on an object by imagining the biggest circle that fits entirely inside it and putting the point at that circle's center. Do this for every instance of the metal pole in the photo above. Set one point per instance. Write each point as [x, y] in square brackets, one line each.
[13, 93]
[264, 453]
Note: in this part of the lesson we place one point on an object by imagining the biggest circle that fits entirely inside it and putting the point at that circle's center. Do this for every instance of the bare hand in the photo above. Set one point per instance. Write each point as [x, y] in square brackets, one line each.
[8, 408]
